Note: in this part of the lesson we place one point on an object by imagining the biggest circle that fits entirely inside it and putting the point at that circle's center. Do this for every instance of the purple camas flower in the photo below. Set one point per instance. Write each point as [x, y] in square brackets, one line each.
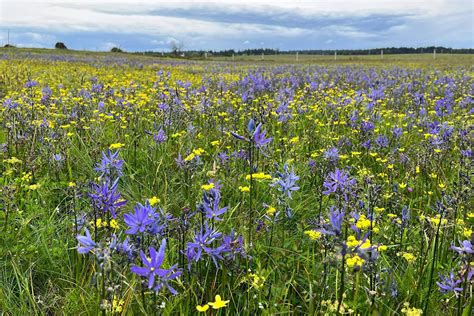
[259, 137]
[211, 206]
[110, 165]
[141, 219]
[338, 182]
[31, 83]
[86, 243]
[223, 157]
[287, 181]
[449, 284]
[332, 154]
[233, 245]
[336, 217]
[157, 277]
[160, 137]
[105, 197]
[202, 243]
[382, 141]
[465, 247]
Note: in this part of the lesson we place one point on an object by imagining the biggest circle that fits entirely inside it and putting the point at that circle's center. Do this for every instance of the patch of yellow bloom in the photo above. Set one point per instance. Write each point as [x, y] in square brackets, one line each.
[409, 257]
[270, 210]
[219, 303]
[258, 176]
[12, 161]
[207, 187]
[154, 200]
[363, 223]
[203, 308]
[256, 281]
[116, 146]
[312, 234]
[244, 189]
[411, 311]
[354, 261]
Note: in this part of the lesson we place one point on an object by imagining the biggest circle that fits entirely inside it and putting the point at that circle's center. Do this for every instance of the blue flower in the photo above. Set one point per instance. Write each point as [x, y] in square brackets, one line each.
[338, 182]
[465, 247]
[110, 165]
[106, 198]
[141, 219]
[86, 243]
[160, 137]
[157, 277]
[202, 244]
[210, 205]
[259, 137]
[287, 181]
[449, 284]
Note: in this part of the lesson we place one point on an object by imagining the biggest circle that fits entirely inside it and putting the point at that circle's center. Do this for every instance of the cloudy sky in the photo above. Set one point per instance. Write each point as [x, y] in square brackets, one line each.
[222, 24]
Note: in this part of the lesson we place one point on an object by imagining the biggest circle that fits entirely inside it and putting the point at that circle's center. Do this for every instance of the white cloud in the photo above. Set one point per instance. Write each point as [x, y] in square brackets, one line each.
[447, 20]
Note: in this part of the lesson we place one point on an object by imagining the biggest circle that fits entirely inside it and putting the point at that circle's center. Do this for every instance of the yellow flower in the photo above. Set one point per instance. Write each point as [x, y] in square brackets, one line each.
[256, 281]
[153, 201]
[202, 309]
[117, 305]
[363, 223]
[113, 224]
[379, 209]
[409, 257]
[71, 184]
[116, 146]
[13, 160]
[190, 157]
[411, 311]
[352, 241]
[244, 189]
[294, 140]
[271, 210]
[98, 223]
[259, 176]
[215, 143]
[467, 233]
[219, 303]
[207, 187]
[382, 248]
[33, 187]
[313, 235]
[403, 185]
[441, 185]
[354, 261]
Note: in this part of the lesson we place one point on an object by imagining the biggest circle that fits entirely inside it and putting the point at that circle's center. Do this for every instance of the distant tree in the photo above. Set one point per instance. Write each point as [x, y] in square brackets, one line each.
[9, 46]
[176, 47]
[60, 45]
[116, 50]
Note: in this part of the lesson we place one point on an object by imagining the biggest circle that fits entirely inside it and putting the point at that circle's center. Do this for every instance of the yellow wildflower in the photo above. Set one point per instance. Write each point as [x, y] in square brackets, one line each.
[116, 146]
[207, 187]
[153, 201]
[203, 308]
[313, 235]
[219, 303]
[354, 261]
[244, 189]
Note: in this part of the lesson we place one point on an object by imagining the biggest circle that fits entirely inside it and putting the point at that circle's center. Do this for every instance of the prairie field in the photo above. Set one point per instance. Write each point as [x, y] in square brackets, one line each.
[135, 185]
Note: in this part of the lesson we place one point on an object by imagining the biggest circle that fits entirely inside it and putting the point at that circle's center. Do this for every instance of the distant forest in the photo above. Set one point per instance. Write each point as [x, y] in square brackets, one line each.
[269, 51]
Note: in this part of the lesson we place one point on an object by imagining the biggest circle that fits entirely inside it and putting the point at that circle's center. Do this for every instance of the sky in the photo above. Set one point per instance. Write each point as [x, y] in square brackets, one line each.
[230, 24]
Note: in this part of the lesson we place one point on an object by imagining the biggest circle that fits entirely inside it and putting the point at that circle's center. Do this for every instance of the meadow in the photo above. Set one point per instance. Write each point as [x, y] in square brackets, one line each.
[136, 185]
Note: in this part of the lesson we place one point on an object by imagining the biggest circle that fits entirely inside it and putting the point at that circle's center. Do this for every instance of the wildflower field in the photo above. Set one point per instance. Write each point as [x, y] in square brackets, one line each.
[146, 186]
